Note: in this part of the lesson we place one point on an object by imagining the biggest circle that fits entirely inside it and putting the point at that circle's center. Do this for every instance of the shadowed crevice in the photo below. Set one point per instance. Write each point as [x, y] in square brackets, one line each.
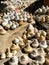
[34, 6]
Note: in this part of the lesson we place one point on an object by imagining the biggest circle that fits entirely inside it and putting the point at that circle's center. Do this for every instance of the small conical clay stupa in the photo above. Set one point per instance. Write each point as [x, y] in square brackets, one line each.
[28, 49]
[47, 60]
[8, 54]
[15, 47]
[13, 60]
[23, 59]
[3, 56]
[43, 44]
[42, 38]
[2, 31]
[20, 22]
[21, 43]
[40, 59]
